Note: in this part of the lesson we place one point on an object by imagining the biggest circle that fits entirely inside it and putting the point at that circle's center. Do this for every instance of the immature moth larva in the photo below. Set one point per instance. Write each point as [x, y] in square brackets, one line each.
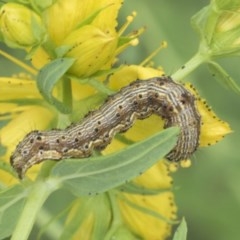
[158, 95]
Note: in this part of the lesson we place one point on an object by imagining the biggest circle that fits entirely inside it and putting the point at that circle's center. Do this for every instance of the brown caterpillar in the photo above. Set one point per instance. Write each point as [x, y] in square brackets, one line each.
[158, 95]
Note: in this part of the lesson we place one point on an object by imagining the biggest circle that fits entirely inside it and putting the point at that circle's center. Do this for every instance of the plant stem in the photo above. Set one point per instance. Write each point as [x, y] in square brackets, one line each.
[36, 198]
[18, 62]
[116, 215]
[67, 92]
[190, 66]
[48, 224]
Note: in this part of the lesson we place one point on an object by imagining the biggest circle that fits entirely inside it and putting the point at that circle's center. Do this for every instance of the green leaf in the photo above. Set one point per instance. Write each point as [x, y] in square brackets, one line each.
[40, 5]
[62, 50]
[137, 189]
[38, 30]
[181, 232]
[97, 207]
[223, 77]
[81, 210]
[204, 25]
[48, 77]
[230, 5]
[123, 232]
[124, 40]
[101, 208]
[100, 86]
[99, 174]
[11, 204]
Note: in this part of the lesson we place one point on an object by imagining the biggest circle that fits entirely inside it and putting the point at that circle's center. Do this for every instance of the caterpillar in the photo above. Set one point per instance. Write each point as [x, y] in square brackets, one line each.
[139, 100]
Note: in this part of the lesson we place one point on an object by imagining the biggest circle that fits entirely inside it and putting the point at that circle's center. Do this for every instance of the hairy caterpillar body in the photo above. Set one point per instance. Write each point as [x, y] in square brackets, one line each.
[139, 100]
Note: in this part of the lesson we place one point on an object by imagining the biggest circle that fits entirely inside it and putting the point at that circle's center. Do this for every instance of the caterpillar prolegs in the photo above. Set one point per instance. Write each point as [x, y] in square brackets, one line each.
[139, 100]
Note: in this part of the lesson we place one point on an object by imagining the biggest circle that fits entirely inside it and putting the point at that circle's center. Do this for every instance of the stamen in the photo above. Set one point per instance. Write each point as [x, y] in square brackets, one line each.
[129, 19]
[153, 54]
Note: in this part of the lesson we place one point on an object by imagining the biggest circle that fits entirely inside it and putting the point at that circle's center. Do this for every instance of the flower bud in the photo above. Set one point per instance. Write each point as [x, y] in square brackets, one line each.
[20, 26]
[228, 5]
[219, 26]
[228, 30]
[92, 48]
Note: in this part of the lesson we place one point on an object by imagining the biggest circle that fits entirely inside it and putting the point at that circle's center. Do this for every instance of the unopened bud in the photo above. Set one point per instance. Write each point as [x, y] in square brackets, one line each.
[20, 26]
[219, 26]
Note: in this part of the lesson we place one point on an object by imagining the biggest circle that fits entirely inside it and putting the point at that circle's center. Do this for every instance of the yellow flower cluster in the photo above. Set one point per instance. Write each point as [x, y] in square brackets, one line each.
[86, 31]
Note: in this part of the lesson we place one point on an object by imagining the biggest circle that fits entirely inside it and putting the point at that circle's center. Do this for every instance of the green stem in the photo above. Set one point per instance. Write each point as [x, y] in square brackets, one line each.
[117, 220]
[18, 62]
[67, 92]
[190, 66]
[48, 224]
[36, 198]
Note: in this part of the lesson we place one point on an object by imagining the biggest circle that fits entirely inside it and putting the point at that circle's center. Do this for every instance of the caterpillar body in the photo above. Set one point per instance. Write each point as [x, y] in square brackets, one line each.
[139, 100]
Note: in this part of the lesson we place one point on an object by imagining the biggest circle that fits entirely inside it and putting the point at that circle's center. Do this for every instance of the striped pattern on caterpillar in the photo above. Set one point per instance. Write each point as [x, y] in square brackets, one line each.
[139, 100]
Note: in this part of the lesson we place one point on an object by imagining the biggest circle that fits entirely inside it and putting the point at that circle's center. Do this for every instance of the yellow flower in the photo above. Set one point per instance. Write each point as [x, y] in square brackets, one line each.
[147, 225]
[21, 118]
[141, 223]
[98, 19]
[212, 129]
[101, 14]
[20, 26]
[92, 48]
[162, 210]
[89, 35]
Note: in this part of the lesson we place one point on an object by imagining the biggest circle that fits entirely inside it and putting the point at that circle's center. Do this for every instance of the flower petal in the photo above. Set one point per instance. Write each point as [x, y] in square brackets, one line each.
[76, 12]
[143, 224]
[91, 47]
[130, 73]
[40, 58]
[15, 88]
[34, 117]
[212, 129]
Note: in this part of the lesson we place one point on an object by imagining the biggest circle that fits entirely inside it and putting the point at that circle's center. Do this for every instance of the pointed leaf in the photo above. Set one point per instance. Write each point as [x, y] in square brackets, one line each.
[47, 78]
[11, 204]
[181, 232]
[137, 189]
[223, 77]
[99, 174]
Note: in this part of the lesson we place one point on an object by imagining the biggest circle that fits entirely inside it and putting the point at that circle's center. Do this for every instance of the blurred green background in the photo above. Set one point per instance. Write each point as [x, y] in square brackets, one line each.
[208, 193]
